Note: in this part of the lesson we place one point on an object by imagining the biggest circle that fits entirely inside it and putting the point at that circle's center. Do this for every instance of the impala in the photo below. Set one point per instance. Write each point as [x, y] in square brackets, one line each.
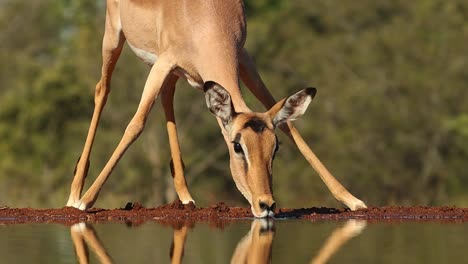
[201, 42]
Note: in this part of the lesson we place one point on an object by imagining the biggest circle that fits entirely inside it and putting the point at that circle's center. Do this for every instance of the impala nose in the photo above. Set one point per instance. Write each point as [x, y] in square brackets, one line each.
[268, 208]
[263, 206]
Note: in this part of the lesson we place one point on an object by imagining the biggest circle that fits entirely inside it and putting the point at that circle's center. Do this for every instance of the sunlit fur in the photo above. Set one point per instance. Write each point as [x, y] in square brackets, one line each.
[256, 246]
[252, 170]
[252, 142]
[202, 42]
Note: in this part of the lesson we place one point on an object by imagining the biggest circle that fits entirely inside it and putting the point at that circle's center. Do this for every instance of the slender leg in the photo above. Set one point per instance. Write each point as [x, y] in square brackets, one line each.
[337, 239]
[252, 80]
[81, 249]
[84, 235]
[156, 79]
[177, 164]
[112, 46]
[178, 244]
[96, 245]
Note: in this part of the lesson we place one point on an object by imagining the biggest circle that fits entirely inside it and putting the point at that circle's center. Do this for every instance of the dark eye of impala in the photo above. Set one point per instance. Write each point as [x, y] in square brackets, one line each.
[237, 147]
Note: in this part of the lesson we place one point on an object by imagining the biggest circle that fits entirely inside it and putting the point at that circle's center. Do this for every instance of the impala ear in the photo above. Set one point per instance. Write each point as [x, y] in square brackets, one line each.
[292, 107]
[219, 102]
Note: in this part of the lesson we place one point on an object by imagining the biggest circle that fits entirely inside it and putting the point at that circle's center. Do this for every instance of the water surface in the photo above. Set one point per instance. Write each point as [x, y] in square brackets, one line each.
[241, 241]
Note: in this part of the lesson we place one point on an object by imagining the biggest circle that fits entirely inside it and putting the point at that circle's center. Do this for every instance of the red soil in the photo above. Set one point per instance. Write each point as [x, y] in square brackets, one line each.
[220, 214]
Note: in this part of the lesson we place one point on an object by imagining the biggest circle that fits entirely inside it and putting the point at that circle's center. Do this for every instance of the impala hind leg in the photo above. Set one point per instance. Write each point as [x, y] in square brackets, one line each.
[254, 83]
[177, 164]
[111, 48]
[337, 239]
[156, 79]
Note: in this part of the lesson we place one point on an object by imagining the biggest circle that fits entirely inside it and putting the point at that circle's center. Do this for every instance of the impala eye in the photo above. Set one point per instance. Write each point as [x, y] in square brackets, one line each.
[237, 147]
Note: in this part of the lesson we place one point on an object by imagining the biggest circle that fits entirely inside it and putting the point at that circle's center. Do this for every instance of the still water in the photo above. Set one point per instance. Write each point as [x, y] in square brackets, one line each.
[241, 241]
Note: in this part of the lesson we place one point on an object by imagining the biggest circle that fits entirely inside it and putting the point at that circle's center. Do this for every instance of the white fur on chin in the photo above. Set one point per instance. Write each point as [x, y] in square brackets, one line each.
[264, 214]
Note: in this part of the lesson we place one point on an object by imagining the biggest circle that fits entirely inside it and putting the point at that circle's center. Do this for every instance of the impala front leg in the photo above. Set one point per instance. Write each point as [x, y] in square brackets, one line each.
[84, 235]
[81, 249]
[156, 79]
[177, 164]
[111, 48]
[254, 83]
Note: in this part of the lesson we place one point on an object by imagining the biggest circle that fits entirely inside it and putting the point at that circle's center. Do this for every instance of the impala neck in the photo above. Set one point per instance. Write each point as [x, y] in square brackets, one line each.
[223, 68]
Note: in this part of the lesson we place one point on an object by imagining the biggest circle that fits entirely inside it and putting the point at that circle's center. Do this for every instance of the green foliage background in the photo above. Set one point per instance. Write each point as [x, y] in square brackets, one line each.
[390, 120]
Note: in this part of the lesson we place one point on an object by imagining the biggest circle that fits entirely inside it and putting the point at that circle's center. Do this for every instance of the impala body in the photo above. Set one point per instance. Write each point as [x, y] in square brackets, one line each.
[200, 41]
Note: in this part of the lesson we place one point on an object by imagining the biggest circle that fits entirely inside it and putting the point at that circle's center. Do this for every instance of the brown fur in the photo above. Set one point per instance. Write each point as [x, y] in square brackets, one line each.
[197, 40]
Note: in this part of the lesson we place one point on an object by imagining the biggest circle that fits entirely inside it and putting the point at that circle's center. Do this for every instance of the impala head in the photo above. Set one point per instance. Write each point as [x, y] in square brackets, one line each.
[252, 142]
[255, 247]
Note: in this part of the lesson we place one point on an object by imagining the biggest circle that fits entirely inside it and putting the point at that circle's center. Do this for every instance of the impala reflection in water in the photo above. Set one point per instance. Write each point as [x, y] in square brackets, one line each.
[254, 247]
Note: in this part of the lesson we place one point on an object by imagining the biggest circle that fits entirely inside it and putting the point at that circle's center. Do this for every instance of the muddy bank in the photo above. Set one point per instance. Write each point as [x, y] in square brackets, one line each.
[220, 214]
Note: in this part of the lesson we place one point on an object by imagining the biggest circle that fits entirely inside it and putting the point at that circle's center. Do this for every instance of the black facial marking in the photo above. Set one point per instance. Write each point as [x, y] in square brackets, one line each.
[246, 165]
[256, 125]
[236, 145]
[244, 159]
[237, 137]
